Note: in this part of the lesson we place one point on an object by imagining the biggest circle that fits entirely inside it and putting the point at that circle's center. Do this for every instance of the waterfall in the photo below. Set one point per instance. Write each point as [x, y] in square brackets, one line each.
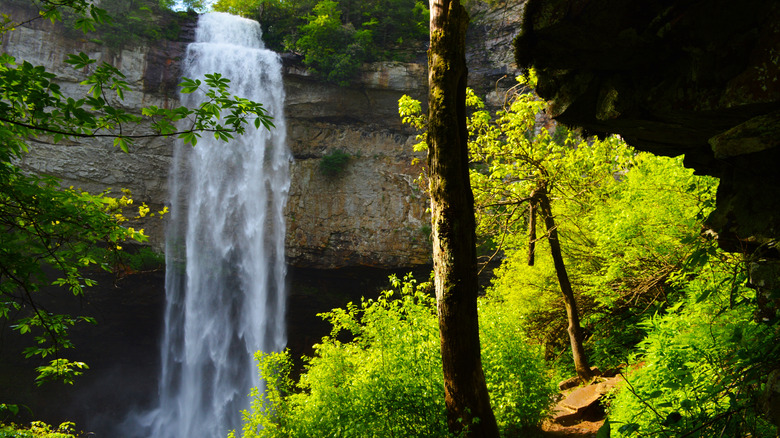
[224, 245]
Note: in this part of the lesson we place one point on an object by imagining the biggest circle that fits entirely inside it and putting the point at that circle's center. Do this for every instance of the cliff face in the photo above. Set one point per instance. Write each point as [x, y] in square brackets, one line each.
[90, 164]
[370, 214]
[693, 78]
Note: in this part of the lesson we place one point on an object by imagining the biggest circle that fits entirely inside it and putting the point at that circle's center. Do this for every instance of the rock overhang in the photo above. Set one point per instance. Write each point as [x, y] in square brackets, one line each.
[700, 78]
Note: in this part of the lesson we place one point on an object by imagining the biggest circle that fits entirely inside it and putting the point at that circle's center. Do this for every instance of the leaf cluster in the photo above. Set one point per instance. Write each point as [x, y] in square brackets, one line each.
[379, 374]
[38, 429]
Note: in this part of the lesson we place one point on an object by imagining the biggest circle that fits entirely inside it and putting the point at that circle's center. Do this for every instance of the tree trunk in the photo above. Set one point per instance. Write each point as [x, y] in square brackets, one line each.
[531, 231]
[454, 235]
[573, 316]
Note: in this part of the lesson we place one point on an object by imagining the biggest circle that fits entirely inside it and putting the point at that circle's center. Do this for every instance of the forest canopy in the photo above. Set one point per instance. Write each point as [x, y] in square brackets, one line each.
[336, 37]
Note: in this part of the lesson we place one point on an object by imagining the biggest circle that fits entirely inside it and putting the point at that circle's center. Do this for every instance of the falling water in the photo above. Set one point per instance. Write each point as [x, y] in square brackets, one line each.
[225, 245]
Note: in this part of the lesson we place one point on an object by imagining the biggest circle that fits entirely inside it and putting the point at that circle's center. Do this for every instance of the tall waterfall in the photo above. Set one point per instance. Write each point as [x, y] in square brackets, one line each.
[225, 244]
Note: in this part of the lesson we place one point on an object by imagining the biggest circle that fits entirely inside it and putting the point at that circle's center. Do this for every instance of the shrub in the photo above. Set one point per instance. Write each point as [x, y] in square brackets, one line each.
[379, 374]
[334, 163]
[701, 368]
[37, 429]
[516, 374]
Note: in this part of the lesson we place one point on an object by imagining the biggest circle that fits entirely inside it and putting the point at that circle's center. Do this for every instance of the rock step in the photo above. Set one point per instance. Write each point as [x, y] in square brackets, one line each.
[584, 403]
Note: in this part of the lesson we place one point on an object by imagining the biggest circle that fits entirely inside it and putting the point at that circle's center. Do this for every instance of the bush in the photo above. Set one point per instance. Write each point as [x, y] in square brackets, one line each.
[379, 374]
[334, 163]
[37, 429]
[516, 374]
[701, 369]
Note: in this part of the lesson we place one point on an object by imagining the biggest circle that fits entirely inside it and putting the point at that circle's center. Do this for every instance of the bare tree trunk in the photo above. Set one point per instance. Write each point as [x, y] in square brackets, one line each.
[532, 230]
[573, 316]
[454, 235]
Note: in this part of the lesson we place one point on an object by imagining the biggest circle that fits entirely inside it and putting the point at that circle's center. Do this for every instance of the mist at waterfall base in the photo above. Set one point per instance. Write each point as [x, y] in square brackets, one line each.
[225, 266]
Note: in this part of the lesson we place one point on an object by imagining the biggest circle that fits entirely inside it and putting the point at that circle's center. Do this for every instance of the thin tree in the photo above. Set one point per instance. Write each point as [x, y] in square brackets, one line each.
[540, 201]
[453, 224]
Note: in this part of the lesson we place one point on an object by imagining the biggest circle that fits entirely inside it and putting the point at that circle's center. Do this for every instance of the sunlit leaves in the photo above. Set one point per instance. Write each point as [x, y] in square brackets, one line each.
[36, 429]
[61, 370]
[378, 373]
[702, 367]
[122, 143]
[188, 86]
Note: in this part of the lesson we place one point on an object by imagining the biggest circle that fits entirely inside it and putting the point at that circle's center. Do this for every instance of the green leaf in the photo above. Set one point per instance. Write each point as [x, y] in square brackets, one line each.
[13, 409]
[628, 429]
[704, 295]
[79, 61]
[189, 86]
[122, 143]
[672, 419]
[604, 430]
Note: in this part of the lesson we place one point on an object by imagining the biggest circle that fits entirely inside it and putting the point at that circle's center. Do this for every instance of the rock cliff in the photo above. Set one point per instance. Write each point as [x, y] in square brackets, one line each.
[371, 214]
[700, 78]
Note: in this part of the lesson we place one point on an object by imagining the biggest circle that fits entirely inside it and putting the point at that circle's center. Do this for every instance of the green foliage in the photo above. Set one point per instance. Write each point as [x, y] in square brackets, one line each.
[646, 280]
[38, 429]
[330, 49]
[337, 37]
[699, 372]
[517, 377]
[384, 382]
[334, 163]
[379, 374]
[46, 227]
[63, 232]
[624, 244]
[510, 158]
[627, 223]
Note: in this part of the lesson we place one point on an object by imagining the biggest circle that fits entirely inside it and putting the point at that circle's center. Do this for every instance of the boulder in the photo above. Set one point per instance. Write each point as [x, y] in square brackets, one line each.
[583, 403]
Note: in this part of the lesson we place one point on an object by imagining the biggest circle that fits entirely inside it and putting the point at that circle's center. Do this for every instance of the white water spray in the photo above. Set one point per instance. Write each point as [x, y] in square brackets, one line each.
[225, 245]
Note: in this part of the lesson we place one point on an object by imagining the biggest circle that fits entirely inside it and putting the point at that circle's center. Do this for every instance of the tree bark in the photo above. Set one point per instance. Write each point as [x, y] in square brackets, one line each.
[531, 231]
[573, 316]
[453, 223]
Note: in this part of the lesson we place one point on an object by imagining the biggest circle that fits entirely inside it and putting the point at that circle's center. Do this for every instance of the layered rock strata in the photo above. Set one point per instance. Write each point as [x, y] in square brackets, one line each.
[372, 213]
